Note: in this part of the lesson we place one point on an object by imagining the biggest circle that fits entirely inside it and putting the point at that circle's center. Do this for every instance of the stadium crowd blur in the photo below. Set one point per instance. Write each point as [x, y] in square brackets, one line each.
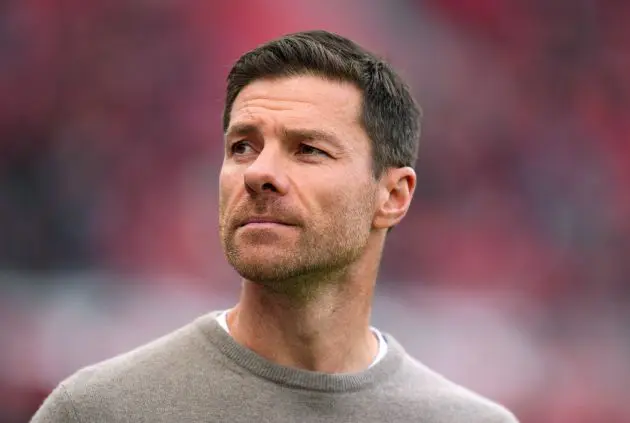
[511, 274]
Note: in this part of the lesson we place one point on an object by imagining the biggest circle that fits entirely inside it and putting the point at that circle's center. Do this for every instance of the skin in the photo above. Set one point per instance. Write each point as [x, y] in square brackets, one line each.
[297, 154]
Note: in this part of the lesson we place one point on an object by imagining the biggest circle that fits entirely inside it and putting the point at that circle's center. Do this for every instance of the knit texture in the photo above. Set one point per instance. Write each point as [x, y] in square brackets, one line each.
[200, 374]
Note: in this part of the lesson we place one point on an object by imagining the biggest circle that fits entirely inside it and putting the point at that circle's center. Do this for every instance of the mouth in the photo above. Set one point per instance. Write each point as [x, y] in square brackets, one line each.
[263, 223]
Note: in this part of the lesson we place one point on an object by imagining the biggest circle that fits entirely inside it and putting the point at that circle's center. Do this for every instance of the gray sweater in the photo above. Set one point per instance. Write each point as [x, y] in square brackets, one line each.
[200, 374]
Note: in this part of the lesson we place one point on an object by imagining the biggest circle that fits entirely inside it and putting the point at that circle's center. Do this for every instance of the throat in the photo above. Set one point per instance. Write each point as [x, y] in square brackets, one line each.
[333, 348]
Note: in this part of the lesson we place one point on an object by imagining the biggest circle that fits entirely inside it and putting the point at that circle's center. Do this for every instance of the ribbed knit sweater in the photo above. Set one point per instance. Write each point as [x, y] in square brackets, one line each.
[199, 373]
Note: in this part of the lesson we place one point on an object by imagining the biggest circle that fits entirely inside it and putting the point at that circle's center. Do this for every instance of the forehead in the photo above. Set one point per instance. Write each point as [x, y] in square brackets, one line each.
[305, 101]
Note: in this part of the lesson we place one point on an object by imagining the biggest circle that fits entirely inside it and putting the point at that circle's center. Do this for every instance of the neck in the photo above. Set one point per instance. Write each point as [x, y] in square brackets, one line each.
[327, 332]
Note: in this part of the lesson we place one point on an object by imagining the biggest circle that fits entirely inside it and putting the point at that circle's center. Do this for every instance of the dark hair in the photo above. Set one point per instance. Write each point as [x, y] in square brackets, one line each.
[389, 115]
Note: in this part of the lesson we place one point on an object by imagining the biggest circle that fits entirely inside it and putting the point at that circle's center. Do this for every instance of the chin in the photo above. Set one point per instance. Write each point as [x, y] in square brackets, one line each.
[266, 272]
[261, 262]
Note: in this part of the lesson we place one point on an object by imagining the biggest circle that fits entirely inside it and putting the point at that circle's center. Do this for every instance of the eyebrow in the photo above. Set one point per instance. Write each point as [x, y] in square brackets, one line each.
[241, 130]
[310, 135]
[244, 129]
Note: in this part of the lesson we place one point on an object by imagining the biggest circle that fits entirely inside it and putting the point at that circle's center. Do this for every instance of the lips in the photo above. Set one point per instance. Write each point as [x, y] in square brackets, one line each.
[264, 220]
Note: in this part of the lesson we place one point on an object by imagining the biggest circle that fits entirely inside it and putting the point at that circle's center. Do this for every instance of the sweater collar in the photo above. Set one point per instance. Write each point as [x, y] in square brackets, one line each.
[299, 378]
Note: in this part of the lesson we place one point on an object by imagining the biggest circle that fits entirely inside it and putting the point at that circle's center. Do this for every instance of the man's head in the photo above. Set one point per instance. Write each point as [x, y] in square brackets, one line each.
[321, 137]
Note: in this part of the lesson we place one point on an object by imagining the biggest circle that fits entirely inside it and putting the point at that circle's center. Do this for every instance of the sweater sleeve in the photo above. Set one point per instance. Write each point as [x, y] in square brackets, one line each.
[57, 408]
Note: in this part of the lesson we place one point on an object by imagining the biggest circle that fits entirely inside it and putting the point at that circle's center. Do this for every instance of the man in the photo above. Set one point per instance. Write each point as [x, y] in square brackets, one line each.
[320, 142]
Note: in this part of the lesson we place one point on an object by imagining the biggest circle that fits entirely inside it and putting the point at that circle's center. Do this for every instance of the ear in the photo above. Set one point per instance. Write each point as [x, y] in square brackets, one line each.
[396, 189]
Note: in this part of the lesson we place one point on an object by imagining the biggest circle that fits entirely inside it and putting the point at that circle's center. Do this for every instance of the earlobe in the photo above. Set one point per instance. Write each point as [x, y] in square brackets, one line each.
[397, 188]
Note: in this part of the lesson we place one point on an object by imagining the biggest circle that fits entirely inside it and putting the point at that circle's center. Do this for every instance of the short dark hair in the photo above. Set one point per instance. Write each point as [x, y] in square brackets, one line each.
[389, 115]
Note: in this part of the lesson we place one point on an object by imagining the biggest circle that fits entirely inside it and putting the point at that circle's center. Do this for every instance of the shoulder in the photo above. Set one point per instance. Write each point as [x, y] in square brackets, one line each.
[457, 403]
[127, 379]
[58, 407]
[426, 391]
[170, 353]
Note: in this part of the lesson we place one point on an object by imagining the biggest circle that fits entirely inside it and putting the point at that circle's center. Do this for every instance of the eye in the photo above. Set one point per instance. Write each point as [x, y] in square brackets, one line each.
[309, 150]
[240, 148]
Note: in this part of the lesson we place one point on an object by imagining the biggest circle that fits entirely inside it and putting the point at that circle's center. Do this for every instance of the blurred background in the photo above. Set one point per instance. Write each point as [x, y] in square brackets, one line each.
[511, 273]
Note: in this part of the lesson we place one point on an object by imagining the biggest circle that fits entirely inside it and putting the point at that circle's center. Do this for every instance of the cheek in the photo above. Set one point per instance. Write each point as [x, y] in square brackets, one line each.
[229, 184]
[351, 203]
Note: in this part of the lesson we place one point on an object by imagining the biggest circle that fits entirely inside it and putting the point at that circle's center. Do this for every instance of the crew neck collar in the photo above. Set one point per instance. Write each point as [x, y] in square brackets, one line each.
[299, 378]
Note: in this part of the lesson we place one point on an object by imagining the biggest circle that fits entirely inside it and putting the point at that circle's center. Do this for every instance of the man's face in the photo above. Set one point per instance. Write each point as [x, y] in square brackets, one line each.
[297, 195]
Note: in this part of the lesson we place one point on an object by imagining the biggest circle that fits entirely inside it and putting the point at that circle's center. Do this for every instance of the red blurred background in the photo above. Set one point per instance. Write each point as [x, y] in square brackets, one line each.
[510, 274]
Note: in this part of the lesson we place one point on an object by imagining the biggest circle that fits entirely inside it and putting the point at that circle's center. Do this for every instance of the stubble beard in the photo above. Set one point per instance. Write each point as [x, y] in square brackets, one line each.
[319, 255]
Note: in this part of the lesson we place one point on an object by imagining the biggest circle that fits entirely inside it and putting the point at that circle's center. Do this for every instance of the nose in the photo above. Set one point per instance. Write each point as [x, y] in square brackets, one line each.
[266, 174]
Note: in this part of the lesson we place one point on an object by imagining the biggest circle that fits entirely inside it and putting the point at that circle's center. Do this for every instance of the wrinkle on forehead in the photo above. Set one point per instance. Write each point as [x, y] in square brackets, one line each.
[332, 101]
